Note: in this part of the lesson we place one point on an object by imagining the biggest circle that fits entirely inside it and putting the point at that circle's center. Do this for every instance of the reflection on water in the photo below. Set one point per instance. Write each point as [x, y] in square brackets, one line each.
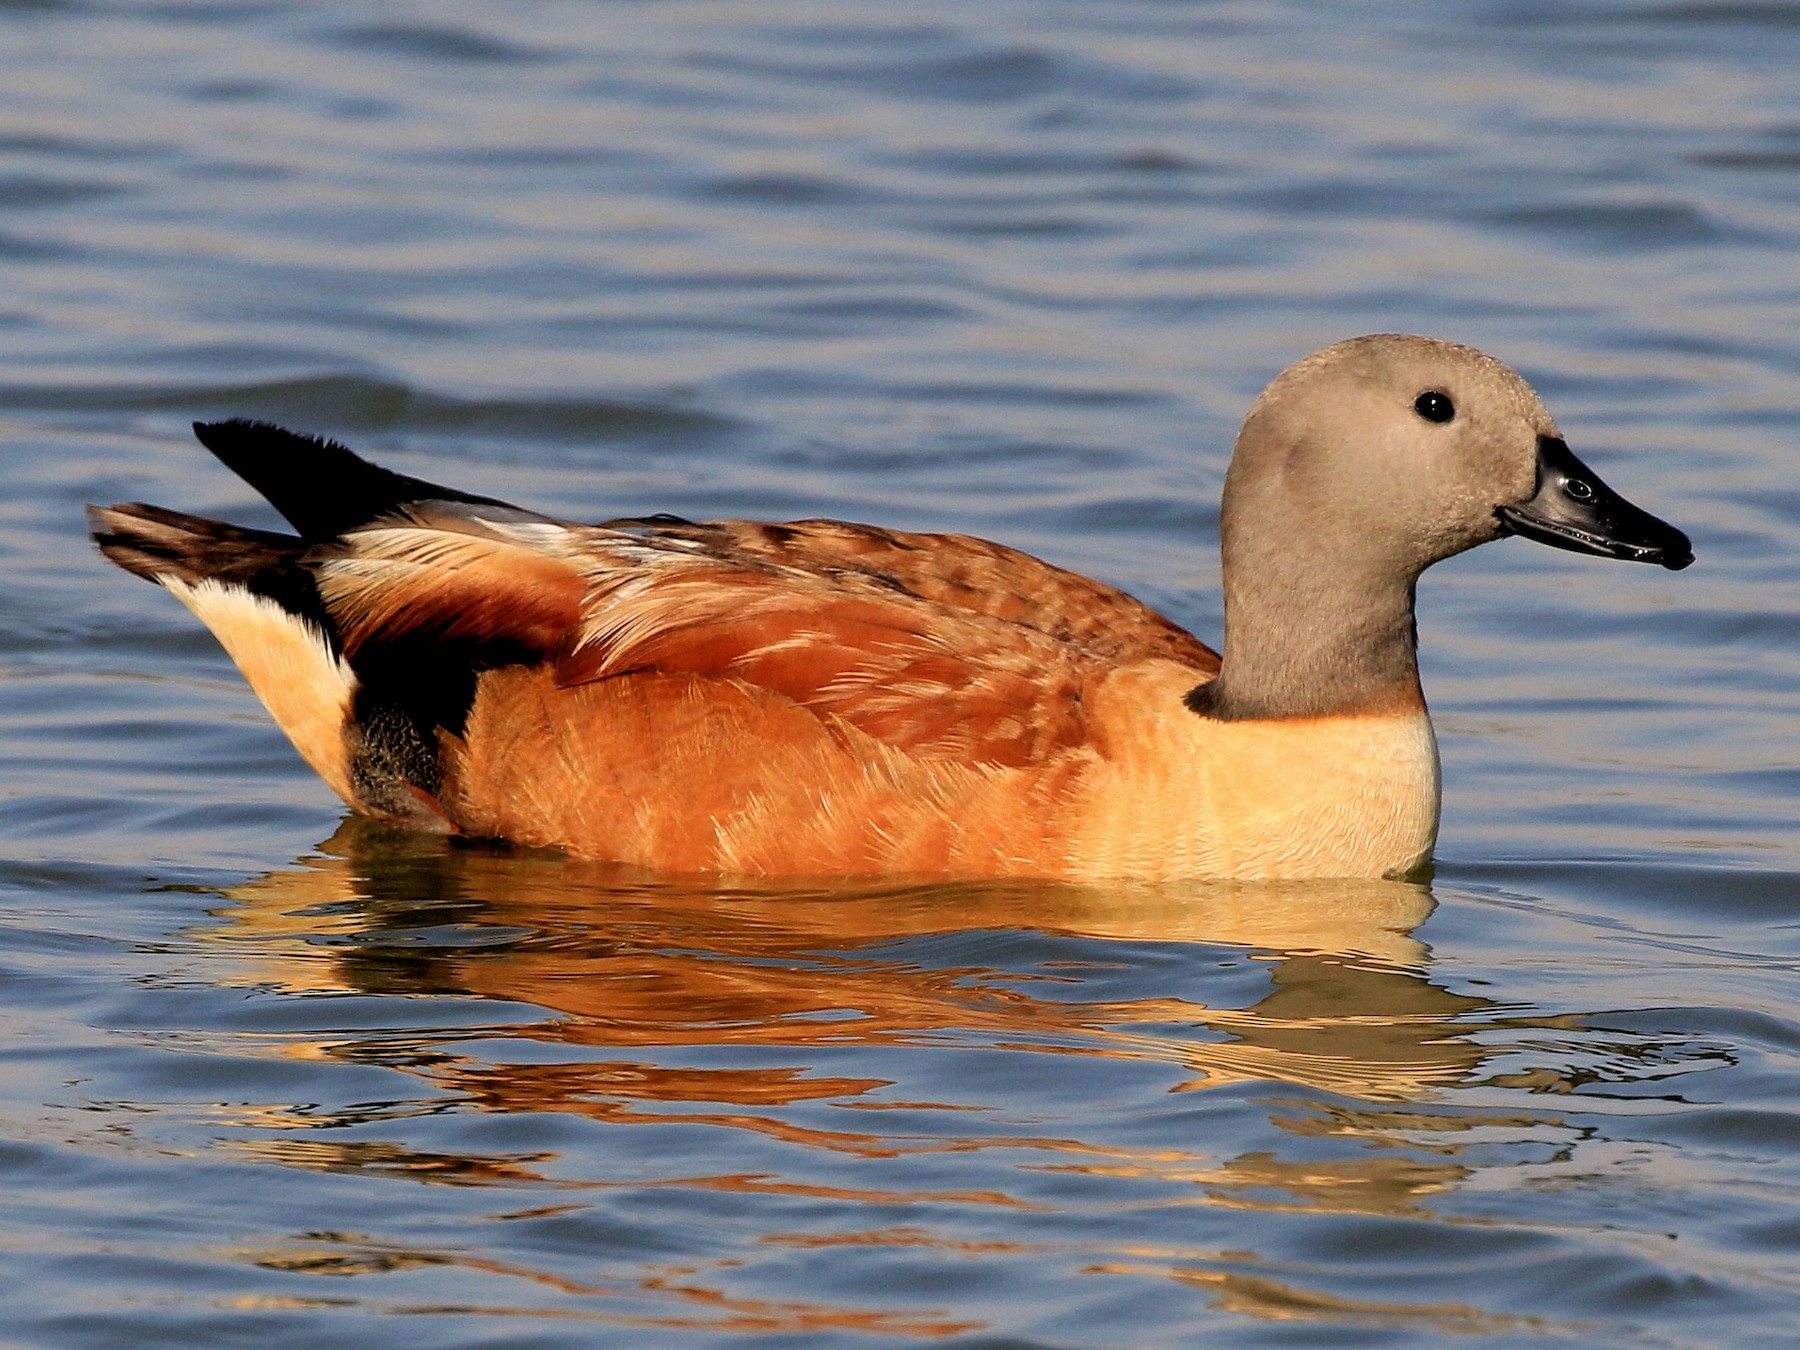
[698, 1307]
[627, 959]
[791, 1019]
[604, 973]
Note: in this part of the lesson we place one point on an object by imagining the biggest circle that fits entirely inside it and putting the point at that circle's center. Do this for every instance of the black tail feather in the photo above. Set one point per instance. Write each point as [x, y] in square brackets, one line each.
[156, 543]
[322, 488]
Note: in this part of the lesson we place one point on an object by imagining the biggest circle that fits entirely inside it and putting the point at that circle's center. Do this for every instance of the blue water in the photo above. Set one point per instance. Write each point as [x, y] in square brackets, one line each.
[269, 1079]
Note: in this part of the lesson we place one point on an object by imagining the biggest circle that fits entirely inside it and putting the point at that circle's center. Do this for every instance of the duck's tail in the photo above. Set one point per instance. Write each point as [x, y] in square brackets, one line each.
[250, 589]
[160, 545]
[364, 714]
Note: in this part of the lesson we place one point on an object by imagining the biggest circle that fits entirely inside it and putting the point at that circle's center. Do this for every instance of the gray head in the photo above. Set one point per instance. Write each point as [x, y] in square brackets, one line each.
[1358, 468]
[1406, 450]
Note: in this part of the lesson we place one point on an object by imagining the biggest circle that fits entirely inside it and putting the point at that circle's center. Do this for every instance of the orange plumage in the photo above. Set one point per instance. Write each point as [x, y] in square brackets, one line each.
[814, 697]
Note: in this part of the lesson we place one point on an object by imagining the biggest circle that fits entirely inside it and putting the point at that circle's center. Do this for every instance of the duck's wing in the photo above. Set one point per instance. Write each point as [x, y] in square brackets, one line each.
[957, 571]
[457, 585]
[326, 491]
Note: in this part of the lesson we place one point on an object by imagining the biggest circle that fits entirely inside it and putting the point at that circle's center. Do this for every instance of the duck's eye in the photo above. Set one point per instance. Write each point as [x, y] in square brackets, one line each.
[1434, 406]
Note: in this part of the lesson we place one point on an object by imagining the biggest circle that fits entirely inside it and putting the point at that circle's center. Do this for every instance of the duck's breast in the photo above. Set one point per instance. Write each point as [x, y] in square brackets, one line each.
[1179, 794]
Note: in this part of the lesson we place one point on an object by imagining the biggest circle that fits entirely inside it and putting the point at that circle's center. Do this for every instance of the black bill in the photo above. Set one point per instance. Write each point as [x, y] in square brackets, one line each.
[1573, 509]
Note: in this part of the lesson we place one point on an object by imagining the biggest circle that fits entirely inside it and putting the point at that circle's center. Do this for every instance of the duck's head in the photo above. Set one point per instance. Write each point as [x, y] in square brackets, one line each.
[1394, 452]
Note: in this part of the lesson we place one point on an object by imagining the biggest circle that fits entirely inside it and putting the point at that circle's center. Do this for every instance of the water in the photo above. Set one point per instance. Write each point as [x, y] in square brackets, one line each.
[1015, 269]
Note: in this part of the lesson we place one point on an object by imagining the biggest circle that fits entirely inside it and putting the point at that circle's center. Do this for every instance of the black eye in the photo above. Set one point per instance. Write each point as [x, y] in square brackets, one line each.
[1434, 406]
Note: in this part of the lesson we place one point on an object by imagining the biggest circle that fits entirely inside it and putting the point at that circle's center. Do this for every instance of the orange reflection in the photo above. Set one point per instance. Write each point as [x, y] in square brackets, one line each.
[572, 958]
[1275, 1300]
[674, 980]
[699, 1307]
[621, 959]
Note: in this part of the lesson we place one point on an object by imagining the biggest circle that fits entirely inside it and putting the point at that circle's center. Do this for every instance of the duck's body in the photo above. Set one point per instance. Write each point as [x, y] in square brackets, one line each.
[765, 787]
[803, 719]
[829, 699]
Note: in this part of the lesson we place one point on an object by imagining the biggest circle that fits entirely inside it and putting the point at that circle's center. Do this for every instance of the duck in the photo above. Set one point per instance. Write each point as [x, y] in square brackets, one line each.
[819, 698]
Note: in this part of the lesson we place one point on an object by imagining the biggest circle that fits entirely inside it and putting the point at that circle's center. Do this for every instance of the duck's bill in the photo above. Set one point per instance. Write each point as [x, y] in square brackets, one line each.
[1573, 509]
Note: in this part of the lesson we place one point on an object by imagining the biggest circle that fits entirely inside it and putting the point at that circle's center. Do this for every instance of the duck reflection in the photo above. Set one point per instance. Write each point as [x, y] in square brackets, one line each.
[1318, 984]
[1313, 985]
[795, 1014]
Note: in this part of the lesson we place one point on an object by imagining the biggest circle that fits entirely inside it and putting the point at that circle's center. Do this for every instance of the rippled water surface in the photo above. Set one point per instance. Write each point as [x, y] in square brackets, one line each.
[1015, 269]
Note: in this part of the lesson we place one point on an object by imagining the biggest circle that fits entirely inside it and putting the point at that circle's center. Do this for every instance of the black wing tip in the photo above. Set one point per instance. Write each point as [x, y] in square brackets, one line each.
[235, 437]
[227, 425]
[324, 489]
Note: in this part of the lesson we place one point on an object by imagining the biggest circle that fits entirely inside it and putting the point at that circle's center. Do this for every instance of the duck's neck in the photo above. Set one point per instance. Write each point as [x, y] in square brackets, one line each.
[1314, 641]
